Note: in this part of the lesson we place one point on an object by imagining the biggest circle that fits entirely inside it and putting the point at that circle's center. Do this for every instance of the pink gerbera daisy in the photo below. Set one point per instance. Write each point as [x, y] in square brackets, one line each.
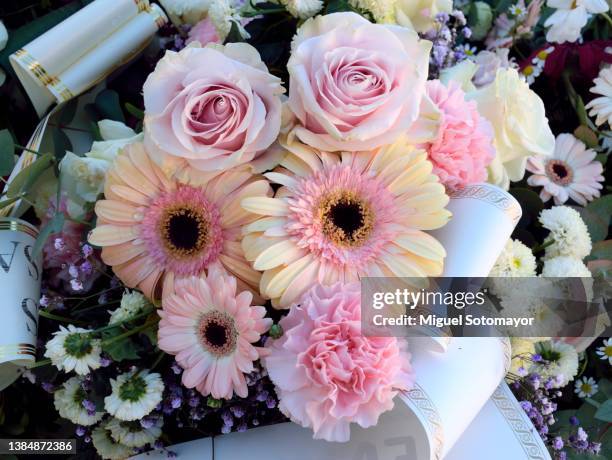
[463, 148]
[327, 374]
[338, 218]
[571, 172]
[153, 228]
[211, 330]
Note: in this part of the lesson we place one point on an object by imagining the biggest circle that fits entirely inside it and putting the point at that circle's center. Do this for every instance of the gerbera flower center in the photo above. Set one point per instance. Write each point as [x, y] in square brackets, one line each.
[559, 172]
[347, 219]
[217, 333]
[133, 389]
[184, 230]
[77, 345]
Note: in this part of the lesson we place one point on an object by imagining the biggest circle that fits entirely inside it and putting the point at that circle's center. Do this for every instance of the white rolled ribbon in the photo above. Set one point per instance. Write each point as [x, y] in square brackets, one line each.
[85, 48]
[20, 277]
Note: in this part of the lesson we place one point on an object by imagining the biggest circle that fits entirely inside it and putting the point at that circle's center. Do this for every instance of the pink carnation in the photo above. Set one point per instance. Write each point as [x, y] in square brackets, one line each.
[464, 146]
[326, 373]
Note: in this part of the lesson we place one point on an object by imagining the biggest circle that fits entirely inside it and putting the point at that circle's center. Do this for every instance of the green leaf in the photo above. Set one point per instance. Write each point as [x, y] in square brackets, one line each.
[29, 175]
[61, 143]
[530, 202]
[604, 412]
[107, 103]
[68, 112]
[234, 35]
[121, 350]
[55, 225]
[587, 135]
[480, 18]
[9, 201]
[134, 111]
[596, 222]
[602, 250]
[7, 152]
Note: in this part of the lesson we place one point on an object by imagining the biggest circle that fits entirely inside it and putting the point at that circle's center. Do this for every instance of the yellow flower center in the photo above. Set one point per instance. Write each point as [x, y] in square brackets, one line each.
[528, 70]
[608, 351]
[586, 388]
[347, 219]
[542, 55]
[516, 262]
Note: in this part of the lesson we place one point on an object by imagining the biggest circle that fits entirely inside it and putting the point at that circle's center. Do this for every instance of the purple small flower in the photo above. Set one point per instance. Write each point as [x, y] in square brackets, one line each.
[238, 411]
[48, 386]
[526, 405]
[562, 456]
[158, 444]
[176, 402]
[557, 443]
[76, 285]
[87, 250]
[86, 268]
[581, 434]
[147, 422]
[44, 301]
[105, 361]
[59, 244]
[574, 421]
[73, 271]
[242, 427]
[80, 431]
[467, 32]
[87, 439]
[536, 358]
[194, 401]
[171, 454]
[270, 402]
[89, 405]
[262, 396]
[176, 368]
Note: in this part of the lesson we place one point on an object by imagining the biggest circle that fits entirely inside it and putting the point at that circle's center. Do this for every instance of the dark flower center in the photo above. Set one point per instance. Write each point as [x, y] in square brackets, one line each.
[217, 333]
[347, 219]
[184, 231]
[559, 172]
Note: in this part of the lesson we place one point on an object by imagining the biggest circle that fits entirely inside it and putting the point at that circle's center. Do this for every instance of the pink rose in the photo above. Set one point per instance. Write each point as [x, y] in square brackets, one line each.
[355, 85]
[215, 107]
[327, 374]
[203, 32]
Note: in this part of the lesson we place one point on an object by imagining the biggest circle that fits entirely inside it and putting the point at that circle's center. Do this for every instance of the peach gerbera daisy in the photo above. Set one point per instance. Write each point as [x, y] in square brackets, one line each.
[339, 218]
[153, 228]
[211, 330]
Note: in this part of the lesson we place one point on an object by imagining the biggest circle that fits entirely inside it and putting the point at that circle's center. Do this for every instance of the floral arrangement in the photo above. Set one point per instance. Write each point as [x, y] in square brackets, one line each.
[202, 259]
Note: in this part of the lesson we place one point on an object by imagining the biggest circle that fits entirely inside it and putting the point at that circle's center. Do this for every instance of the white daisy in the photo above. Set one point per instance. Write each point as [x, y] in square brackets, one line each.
[134, 395]
[132, 304]
[605, 352]
[519, 10]
[68, 401]
[571, 172]
[568, 233]
[107, 447]
[602, 106]
[302, 9]
[515, 260]
[586, 387]
[570, 16]
[73, 348]
[134, 434]
[565, 267]
[559, 360]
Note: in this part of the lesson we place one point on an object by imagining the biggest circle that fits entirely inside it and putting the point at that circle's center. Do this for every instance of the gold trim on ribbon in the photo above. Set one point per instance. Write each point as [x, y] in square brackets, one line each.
[143, 5]
[15, 225]
[35, 68]
[429, 412]
[492, 195]
[26, 349]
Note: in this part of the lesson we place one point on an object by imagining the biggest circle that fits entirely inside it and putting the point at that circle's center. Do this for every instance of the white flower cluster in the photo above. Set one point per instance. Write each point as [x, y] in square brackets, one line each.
[559, 361]
[72, 348]
[132, 304]
[515, 260]
[570, 16]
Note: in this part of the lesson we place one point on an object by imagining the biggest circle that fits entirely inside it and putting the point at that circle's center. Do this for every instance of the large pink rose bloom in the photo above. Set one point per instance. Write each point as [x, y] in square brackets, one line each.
[355, 85]
[326, 373]
[463, 147]
[215, 107]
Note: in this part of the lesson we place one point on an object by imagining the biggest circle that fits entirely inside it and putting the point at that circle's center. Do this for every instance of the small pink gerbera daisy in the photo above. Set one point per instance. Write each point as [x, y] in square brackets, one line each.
[463, 148]
[339, 218]
[211, 330]
[571, 172]
[154, 228]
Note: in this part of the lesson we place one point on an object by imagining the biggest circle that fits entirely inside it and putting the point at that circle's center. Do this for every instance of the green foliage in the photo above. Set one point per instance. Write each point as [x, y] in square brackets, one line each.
[108, 105]
[480, 18]
[604, 412]
[7, 152]
[28, 176]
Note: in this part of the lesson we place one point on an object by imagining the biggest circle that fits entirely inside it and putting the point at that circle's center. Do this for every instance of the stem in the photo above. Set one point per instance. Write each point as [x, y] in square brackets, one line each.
[21, 147]
[92, 307]
[120, 323]
[70, 128]
[63, 319]
[607, 17]
[128, 333]
[79, 221]
[41, 363]
[158, 360]
[593, 403]
[540, 247]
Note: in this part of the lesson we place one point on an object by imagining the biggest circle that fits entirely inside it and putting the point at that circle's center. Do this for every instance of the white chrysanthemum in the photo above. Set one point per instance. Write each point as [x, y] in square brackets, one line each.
[570, 16]
[186, 11]
[568, 232]
[132, 304]
[515, 260]
[3, 36]
[134, 395]
[522, 351]
[302, 9]
[68, 401]
[73, 348]
[602, 106]
[133, 434]
[586, 387]
[565, 267]
[107, 447]
[383, 11]
[605, 352]
[559, 361]
[224, 13]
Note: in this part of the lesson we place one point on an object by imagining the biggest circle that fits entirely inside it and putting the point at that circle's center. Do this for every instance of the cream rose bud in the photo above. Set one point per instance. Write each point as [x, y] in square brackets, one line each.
[420, 14]
[355, 85]
[214, 107]
[519, 123]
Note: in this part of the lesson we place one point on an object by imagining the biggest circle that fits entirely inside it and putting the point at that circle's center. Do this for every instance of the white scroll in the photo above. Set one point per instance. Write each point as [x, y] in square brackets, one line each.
[83, 49]
[20, 277]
